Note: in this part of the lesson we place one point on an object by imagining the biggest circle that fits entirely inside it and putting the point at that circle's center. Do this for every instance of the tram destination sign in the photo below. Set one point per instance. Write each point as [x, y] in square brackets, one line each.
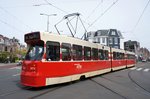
[32, 36]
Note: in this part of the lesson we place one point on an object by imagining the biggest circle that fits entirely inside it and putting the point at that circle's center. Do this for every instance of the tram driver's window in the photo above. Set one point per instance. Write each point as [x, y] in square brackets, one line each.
[52, 51]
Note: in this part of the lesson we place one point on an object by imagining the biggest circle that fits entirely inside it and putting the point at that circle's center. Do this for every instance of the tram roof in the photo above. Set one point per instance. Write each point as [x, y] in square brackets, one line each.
[45, 36]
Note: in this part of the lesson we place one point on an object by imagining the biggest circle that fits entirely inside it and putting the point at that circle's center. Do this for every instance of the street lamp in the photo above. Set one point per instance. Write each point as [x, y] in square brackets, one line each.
[48, 15]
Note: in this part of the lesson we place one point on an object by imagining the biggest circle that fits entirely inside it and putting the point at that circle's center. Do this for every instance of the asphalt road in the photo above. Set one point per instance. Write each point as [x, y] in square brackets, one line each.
[131, 83]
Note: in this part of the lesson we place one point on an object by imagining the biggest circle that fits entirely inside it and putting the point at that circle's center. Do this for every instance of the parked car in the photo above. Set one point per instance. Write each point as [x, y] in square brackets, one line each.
[19, 62]
[144, 60]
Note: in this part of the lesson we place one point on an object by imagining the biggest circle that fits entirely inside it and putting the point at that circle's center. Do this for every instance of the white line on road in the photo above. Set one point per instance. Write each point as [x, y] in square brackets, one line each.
[146, 70]
[15, 68]
[16, 74]
[139, 69]
[133, 68]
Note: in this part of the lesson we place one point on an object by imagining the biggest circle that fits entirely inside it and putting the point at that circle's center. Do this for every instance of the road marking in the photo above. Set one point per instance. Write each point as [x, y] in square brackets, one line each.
[15, 68]
[146, 70]
[139, 69]
[16, 74]
[133, 68]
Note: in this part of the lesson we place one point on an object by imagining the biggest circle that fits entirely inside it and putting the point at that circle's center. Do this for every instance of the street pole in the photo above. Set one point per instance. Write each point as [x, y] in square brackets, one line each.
[47, 23]
[48, 19]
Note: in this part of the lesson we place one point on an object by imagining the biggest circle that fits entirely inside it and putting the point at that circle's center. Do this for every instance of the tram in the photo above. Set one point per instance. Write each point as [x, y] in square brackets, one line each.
[54, 59]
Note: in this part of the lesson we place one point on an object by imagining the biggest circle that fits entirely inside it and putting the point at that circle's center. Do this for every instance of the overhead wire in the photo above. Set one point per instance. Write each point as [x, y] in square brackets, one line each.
[11, 26]
[140, 16]
[139, 19]
[55, 6]
[61, 10]
[94, 9]
[103, 14]
[16, 18]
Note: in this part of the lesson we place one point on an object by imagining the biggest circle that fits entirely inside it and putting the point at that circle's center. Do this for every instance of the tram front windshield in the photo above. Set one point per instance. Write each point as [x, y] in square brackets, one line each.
[35, 51]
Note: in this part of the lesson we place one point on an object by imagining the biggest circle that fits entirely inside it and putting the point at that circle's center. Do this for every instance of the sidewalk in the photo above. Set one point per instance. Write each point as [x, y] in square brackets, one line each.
[7, 64]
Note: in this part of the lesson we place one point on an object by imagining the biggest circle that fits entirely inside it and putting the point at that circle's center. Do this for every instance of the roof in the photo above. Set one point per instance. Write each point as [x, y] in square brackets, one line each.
[102, 33]
[106, 32]
[120, 35]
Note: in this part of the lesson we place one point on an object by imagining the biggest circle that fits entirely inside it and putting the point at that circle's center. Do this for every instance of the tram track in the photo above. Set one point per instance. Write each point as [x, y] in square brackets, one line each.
[94, 81]
[136, 83]
[6, 93]
[45, 92]
[51, 89]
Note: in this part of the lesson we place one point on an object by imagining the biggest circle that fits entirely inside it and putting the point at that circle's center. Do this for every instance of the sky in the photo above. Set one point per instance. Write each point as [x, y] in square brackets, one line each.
[131, 17]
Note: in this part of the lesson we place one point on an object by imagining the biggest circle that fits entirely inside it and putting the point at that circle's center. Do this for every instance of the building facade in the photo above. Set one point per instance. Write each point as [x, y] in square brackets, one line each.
[9, 45]
[132, 46]
[110, 37]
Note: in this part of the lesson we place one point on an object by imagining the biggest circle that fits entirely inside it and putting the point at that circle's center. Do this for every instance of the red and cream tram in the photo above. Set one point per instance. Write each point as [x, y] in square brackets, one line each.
[53, 59]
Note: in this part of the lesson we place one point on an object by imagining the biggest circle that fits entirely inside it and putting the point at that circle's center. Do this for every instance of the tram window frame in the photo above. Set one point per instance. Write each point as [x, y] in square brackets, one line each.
[87, 53]
[66, 55]
[118, 56]
[130, 56]
[106, 55]
[94, 53]
[55, 52]
[114, 56]
[122, 56]
[77, 52]
[101, 54]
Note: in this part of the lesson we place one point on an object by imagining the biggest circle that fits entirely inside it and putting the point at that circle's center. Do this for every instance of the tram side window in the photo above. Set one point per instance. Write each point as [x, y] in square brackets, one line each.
[105, 54]
[52, 51]
[95, 54]
[114, 55]
[122, 55]
[87, 53]
[118, 56]
[131, 56]
[101, 54]
[77, 52]
[66, 52]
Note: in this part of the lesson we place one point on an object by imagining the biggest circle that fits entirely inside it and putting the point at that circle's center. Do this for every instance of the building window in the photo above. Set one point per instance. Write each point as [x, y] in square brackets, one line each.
[116, 47]
[113, 33]
[103, 40]
[77, 52]
[6, 48]
[89, 35]
[53, 51]
[87, 53]
[66, 51]
[116, 40]
[99, 40]
[110, 40]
